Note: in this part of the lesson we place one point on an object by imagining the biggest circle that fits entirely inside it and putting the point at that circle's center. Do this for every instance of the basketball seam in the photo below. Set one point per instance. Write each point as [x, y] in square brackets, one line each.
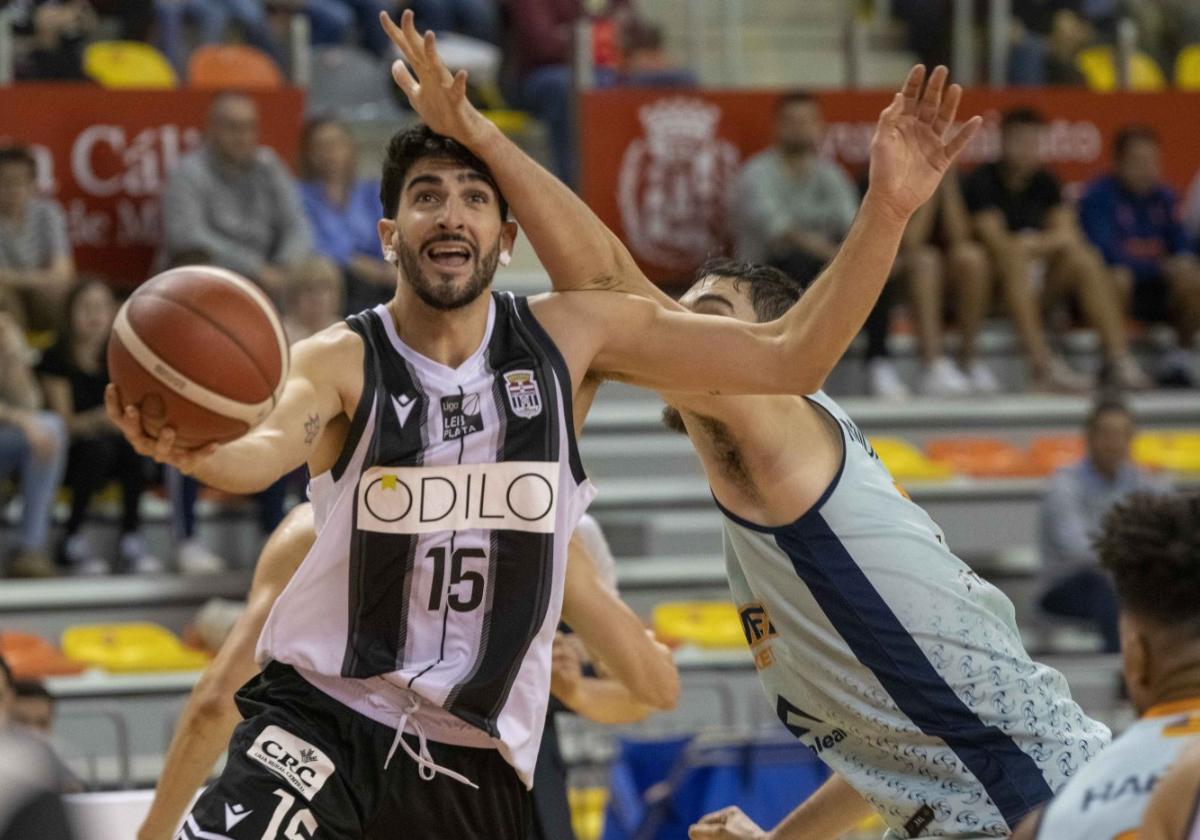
[221, 328]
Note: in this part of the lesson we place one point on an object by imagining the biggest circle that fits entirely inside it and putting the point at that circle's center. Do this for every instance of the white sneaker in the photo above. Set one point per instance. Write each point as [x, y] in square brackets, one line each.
[1059, 377]
[982, 380]
[941, 378]
[194, 559]
[135, 559]
[82, 559]
[883, 381]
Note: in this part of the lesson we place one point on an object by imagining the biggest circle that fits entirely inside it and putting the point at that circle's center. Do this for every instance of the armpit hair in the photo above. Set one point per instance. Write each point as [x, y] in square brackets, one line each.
[716, 439]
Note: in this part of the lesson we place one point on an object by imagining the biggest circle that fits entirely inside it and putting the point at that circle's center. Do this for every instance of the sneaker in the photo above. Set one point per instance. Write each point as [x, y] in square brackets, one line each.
[941, 378]
[81, 559]
[194, 559]
[31, 564]
[1127, 374]
[1059, 377]
[1177, 369]
[982, 380]
[883, 381]
[135, 559]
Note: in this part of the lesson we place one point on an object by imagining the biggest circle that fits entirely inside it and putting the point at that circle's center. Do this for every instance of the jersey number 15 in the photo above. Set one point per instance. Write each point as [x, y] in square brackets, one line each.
[473, 580]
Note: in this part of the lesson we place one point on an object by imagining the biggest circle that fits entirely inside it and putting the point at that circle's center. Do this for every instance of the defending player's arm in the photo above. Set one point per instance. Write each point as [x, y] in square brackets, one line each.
[288, 437]
[834, 809]
[210, 716]
[643, 669]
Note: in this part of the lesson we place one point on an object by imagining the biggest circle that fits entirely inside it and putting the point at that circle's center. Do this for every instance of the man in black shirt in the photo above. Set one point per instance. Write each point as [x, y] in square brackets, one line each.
[1022, 220]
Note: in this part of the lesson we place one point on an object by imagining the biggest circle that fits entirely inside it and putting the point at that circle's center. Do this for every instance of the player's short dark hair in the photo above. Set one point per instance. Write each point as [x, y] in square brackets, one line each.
[1131, 134]
[417, 143]
[795, 97]
[32, 688]
[1107, 405]
[1151, 545]
[19, 155]
[1022, 116]
[772, 292]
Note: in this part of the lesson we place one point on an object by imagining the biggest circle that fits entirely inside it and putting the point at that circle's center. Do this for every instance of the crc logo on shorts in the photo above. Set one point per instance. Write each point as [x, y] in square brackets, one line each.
[523, 394]
[461, 416]
[298, 762]
[510, 495]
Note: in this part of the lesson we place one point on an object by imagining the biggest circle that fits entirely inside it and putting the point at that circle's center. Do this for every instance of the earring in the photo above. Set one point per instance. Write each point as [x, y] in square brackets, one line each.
[505, 258]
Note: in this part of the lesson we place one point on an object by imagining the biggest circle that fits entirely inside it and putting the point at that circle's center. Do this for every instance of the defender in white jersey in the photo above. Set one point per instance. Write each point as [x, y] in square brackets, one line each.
[1151, 545]
[410, 653]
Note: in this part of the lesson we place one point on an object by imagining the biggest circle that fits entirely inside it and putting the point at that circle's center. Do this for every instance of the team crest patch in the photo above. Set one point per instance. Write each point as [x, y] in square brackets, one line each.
[524, 396]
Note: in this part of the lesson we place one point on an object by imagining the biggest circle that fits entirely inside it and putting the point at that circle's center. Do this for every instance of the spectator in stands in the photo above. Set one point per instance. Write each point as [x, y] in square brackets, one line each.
[344, 212]
[313, 299]
[33, 707]
[644, 61]
[1191, 210]
[1132, 218]
[1078, 496]
[36, 263]
[479, 19]
[33, 446]
[1022, 220]
[791, 209]
[211, 19]
[1046, 37]
[938, 254]
[74, 375]
[236, 201]
[56, 31]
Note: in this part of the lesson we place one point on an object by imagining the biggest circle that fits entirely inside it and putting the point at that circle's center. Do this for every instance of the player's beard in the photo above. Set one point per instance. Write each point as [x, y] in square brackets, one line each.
[445, 296]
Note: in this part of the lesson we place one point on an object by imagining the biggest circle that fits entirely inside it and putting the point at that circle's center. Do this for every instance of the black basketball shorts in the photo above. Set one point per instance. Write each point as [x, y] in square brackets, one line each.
[302, 766]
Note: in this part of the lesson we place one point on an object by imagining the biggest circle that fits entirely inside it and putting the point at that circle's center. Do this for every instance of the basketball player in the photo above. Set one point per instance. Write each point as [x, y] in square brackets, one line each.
[877, 647]
[1151, 545]
[438, 430]
[210, 716]
[1173, 812]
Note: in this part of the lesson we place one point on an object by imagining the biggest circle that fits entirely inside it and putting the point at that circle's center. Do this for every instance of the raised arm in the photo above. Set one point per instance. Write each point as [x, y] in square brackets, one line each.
[287, 438]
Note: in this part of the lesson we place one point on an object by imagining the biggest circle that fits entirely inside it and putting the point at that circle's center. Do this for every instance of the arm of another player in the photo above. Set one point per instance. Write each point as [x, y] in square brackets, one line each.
[575, 247]
[833, 809]
[312, 397]
[617, 637]
[210, 716]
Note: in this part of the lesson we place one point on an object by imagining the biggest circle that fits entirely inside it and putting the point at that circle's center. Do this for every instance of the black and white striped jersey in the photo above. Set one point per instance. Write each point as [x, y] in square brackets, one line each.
[442, 532]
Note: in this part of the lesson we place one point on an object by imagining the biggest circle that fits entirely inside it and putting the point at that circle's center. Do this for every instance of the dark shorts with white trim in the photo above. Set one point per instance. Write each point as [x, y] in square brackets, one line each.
[302, 765]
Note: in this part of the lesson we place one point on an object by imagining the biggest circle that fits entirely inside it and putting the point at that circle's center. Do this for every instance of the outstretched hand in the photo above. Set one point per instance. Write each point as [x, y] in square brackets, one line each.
[162, 448]
[438, 96]
[914, 143]
[727, 824]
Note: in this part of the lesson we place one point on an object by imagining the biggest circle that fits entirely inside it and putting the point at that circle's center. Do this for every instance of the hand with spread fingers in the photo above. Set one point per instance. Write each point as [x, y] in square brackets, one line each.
[727, 824]
[128, 421]
[915, 141]
[438, 96]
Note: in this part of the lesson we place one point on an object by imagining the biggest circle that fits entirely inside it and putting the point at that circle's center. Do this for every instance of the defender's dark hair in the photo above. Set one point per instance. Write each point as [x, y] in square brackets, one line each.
[1103, 406]
[1014, 117]
[32, 688]
[795, 97]
[772, 292]
[1151, 545]
[18, 154]
[419, 142]
[1131, 134]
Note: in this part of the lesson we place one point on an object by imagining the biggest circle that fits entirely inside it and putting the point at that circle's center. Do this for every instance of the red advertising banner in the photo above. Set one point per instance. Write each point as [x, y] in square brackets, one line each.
[659, 166]
[105, 156]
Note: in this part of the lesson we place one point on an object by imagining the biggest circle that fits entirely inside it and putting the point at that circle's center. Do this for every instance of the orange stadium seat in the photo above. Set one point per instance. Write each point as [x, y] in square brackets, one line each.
[1187, 68]
[1099, 67]
[232, 66]
[33, 658]
[132, 647]
[981, 457]
[128, 64]
[1052, 452]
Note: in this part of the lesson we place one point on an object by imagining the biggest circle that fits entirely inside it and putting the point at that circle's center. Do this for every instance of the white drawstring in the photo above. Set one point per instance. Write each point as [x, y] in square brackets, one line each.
[427, 768]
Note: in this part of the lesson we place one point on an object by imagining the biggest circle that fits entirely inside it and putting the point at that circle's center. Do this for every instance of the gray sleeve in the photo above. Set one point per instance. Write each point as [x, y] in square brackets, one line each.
[759, 203]
[55, 226]
[295, 240]
[1064, 524]
[186, 226]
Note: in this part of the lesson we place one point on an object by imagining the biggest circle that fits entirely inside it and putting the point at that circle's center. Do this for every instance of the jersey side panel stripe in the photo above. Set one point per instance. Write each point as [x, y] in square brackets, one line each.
[880, 641]
[360, 324]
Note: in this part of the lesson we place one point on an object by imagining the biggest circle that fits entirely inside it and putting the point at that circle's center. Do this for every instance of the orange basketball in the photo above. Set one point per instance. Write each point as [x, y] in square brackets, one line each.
[199, 349]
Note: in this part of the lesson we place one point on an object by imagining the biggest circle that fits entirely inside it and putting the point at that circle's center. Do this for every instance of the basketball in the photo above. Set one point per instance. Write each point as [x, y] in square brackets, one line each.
[199, 349]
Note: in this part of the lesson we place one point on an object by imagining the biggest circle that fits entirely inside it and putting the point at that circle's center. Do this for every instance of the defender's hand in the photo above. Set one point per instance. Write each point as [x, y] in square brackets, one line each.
[162, 448]
[438, 96]
[727, 824]
[913, 144]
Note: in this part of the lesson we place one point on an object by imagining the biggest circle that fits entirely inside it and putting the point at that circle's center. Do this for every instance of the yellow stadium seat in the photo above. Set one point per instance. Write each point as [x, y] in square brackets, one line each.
[128, 64]
[133, 647]
[235, 66]
[712, 624]
[587, 811]
[1099, 67]
[1187, 68]
[1172, 451]
[907, 463]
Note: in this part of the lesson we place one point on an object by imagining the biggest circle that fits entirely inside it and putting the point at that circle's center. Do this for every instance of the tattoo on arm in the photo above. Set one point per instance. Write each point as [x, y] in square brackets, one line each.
[312, 427]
